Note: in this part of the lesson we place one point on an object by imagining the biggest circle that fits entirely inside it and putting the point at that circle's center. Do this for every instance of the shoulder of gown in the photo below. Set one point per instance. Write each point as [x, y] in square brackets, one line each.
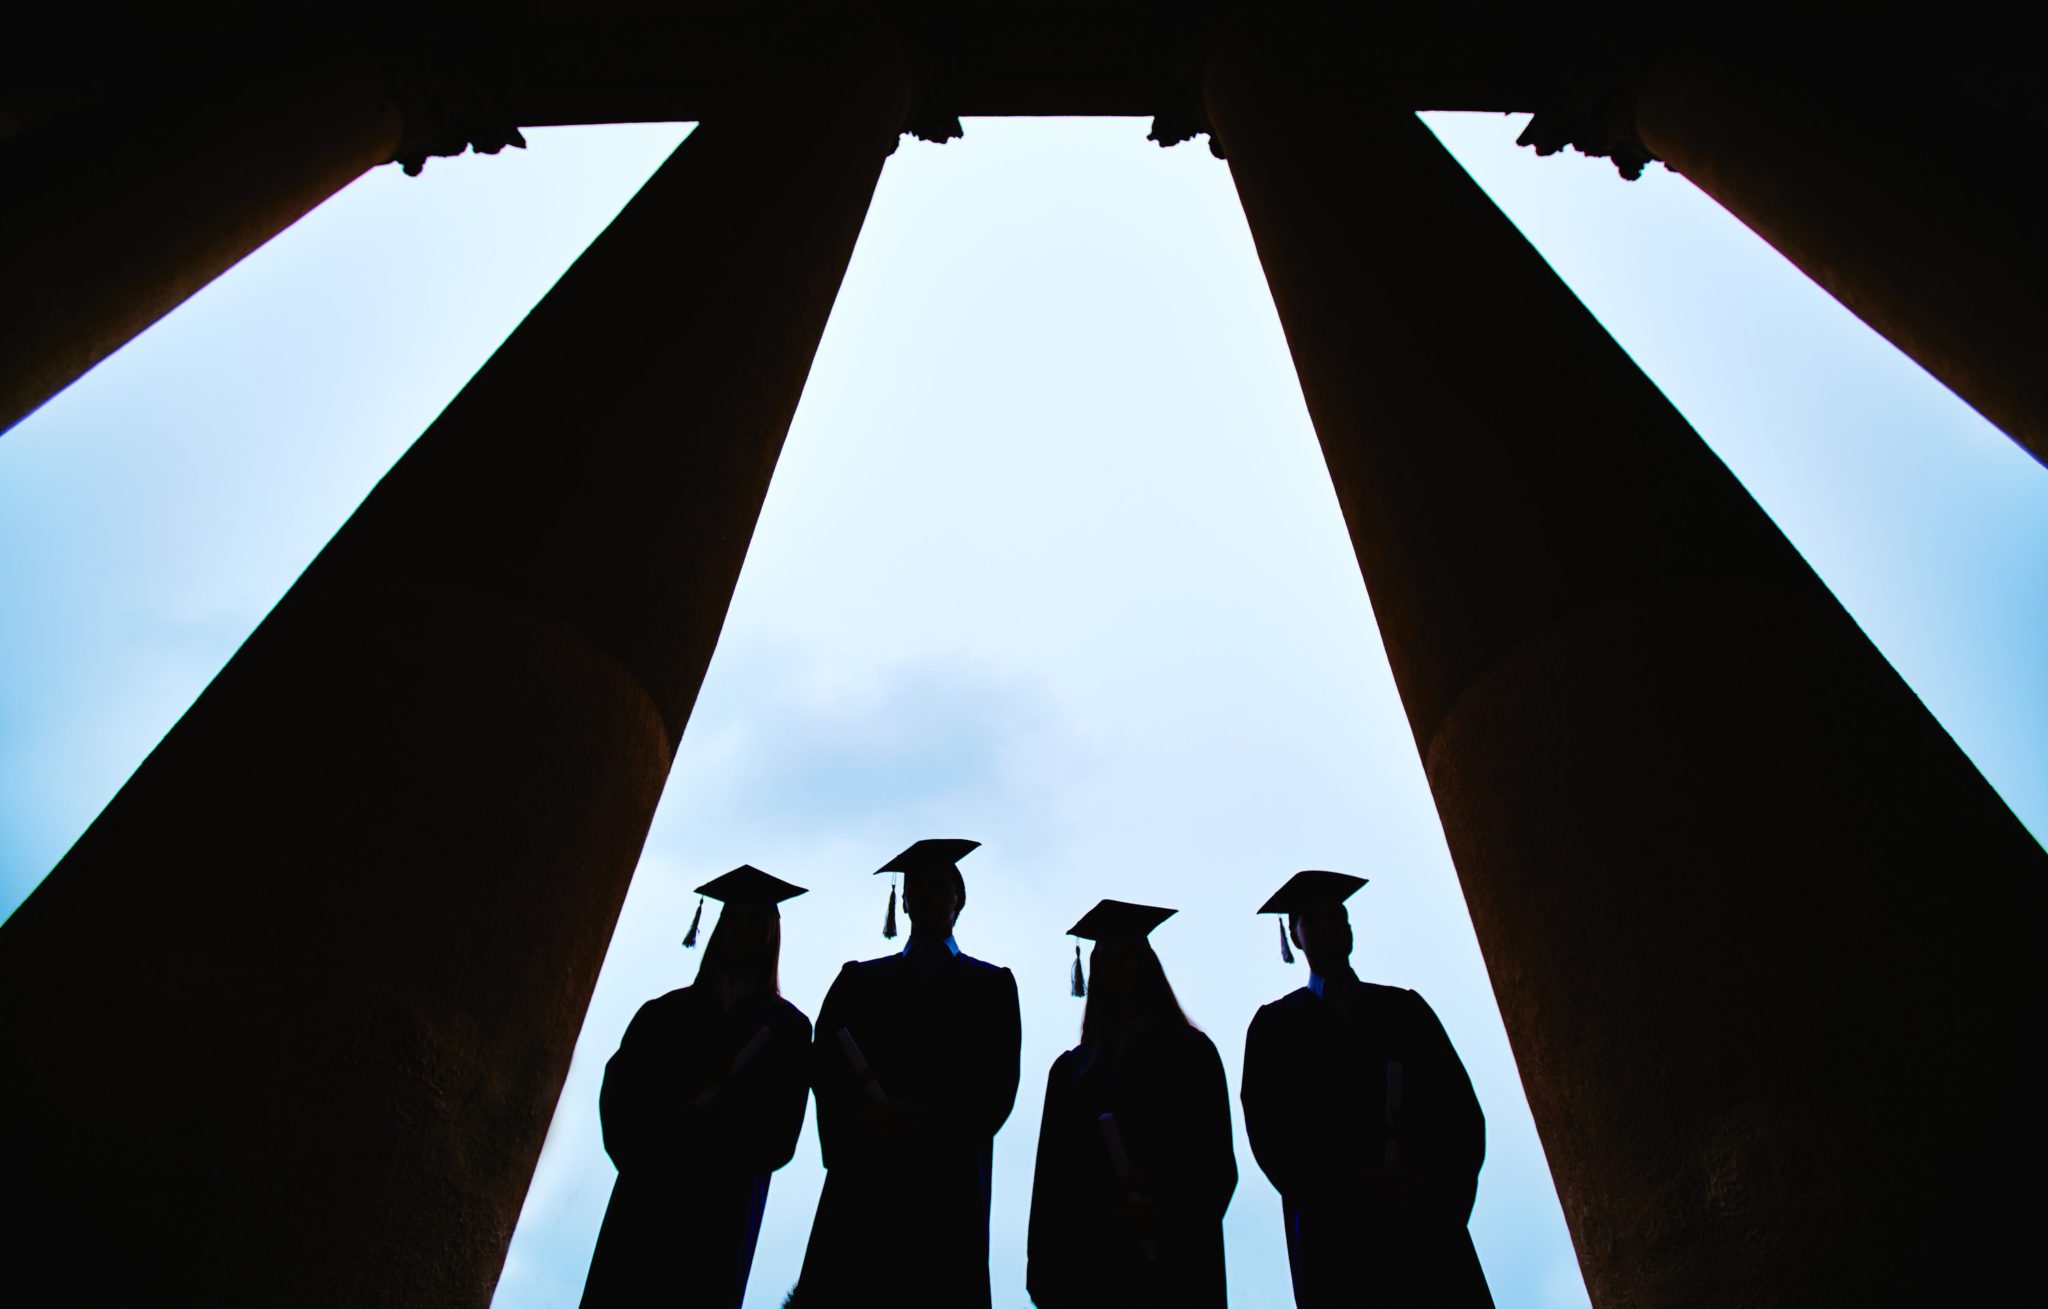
[779, 1012]
[981, 967]
[1404, 1007]
[682, 995]
[855, 977]
[1190, 1049]
[1295, 1004]
[1413, 999]
[1295, 999]
[862, 970]
[674, 1006]
[890, 964]
[1398, 995]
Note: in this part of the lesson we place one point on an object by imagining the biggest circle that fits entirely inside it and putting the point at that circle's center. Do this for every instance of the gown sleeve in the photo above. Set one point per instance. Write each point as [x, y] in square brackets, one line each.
[995, 1089]
[842, 1131]
[986, 1089]
[1049, 1245]
[1274, 1116]
[1202, 1174]
[632, 1133]
[758, 1115]
[1452, 1126]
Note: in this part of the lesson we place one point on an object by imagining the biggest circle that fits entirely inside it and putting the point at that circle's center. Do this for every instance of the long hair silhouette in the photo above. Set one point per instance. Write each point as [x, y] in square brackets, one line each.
[747, 947]
[1126, 984]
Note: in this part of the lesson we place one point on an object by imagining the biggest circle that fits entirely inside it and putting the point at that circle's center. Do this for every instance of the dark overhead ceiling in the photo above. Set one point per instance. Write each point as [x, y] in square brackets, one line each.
[585, 61]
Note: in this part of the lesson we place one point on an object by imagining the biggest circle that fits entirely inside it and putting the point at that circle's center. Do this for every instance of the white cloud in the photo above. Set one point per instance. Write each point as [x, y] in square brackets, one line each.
[1051, 562]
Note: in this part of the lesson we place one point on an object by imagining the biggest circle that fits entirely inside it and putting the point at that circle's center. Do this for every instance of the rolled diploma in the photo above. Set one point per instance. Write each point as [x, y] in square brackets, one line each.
[739, 1061]
[860, 1066]
[1120, 1164]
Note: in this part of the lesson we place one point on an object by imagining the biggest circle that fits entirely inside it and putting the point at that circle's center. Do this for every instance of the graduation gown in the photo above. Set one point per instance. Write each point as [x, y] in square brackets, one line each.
[686, 1209]
[903, 1218]
[1362, 1116]
[1164, 1085]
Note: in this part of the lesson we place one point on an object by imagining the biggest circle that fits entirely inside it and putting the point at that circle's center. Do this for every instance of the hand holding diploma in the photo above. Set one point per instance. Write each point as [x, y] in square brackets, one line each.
[739, 1061]
[861, 1071]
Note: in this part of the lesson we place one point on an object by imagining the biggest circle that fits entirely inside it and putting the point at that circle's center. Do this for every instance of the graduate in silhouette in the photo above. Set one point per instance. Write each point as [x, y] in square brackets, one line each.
[1361, 1114]
[915, 1068]
[702, 1102]
[1135, 1166]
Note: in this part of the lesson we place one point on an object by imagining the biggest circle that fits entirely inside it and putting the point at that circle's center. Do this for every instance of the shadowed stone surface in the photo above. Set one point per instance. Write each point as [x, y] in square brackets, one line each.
[109, 226]
[287, 1025]
[1916, 226]
[1757, 928]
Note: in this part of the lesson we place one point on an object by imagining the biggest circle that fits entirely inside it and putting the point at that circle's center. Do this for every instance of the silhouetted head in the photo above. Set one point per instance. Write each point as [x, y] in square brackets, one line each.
[1126, 984]
[1313, 900]
[1323, 933]
[934, 897]
[934, 893]
[746, 946]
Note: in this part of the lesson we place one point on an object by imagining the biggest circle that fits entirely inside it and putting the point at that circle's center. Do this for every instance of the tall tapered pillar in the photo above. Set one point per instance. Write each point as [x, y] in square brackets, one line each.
[1936, 244]
[1757, 928]
[287, 1025]
[108, 228]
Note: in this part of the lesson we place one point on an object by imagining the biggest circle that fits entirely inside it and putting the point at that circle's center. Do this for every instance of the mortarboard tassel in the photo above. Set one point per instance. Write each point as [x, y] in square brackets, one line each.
[690, 937]
[1080, 983]
[889, 923]
[1286, 955]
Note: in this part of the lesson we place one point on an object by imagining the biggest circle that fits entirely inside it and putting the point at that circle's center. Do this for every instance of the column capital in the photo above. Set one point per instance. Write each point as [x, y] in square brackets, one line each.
[1185, 122]
[1183, 70]
[933, 113]
[1599, 120]
[930, 125]
[447, 110]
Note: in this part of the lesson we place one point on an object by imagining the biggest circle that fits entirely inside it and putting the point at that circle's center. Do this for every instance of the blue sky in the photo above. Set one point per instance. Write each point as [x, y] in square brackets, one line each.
[1050, 561]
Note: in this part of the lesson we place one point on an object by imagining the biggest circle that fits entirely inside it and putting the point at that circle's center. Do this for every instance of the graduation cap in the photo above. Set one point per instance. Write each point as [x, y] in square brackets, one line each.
[1113, 918]
[1312, 888]
[932, 855]
[745, 885]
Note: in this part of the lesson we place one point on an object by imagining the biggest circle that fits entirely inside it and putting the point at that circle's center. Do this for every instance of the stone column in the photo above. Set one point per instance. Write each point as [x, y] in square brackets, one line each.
[110, 227]
[1758, 930]
[1942, 256]
[287, 1025]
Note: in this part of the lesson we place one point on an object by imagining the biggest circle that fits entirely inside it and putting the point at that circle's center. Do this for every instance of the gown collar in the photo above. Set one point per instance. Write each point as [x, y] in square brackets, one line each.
[914, 943]
[1331, 988]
